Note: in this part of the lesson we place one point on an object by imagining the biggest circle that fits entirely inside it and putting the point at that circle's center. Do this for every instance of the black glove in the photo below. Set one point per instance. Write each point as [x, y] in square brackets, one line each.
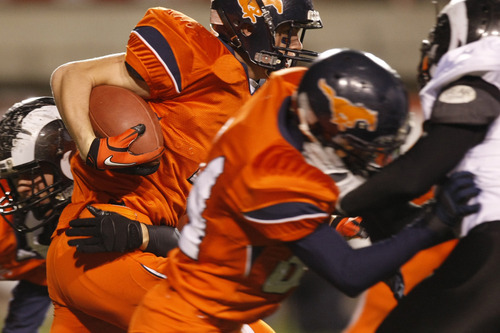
[106, 232]
[452, 201]
[162, 239]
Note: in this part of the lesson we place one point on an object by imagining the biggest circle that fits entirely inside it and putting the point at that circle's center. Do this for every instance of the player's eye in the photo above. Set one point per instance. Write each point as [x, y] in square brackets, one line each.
[285, 40]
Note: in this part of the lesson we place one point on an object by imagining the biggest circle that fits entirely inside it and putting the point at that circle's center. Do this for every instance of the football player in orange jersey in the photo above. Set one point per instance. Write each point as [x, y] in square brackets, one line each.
[35, 185]
[259, 211]
[194, 81]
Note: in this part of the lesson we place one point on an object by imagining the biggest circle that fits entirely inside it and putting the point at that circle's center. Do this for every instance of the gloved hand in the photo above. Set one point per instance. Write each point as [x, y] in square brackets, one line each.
[349, 227]
[106, 232]
[452, 201]
[113, 152]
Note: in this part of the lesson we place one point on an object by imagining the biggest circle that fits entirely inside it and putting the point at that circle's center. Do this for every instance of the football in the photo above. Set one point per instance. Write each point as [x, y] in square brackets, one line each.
[114, 109]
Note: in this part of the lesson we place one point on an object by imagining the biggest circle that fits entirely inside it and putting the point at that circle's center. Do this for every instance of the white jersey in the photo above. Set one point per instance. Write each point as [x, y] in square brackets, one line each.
[480, 58]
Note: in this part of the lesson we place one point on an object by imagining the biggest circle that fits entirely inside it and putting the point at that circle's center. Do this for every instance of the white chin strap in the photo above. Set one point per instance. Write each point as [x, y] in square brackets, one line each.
[321, 157]
[325, 159]
[306, 116]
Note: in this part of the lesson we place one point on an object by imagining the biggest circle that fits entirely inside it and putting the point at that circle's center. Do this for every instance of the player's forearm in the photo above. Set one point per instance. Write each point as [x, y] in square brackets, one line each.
[354, 270]
[72, 84]
[71, 89]
[413, 174]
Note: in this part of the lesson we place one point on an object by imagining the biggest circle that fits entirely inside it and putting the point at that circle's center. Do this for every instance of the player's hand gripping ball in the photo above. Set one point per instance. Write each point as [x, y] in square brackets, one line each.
[129, 136]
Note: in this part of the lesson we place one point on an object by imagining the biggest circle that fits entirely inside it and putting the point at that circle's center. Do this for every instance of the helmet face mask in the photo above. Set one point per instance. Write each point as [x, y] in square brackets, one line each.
[34, 163]
[354, 102]
[433, 49]
[251, 27]
[366, 158]
[460, 22]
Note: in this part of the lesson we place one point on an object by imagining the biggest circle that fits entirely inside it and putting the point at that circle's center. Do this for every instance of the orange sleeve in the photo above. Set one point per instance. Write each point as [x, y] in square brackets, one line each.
[14, 268]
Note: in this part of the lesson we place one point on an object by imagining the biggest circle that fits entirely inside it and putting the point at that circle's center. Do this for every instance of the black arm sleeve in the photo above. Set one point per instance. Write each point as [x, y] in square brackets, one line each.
[162, 239]
[414, 173]
[354, 270]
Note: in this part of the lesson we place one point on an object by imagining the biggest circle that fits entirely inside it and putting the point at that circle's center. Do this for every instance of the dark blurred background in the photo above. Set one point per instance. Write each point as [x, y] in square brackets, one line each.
[36, 36]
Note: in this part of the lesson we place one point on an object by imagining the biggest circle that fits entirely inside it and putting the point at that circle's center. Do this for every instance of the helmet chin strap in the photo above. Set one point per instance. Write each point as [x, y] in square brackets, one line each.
[327, 160]
[266, 58]
[305, 114]
[267, 17]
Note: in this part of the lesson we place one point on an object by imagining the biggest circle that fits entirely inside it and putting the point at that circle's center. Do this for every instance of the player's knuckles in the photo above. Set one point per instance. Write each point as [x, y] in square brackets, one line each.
[72, 232]
[73, 242]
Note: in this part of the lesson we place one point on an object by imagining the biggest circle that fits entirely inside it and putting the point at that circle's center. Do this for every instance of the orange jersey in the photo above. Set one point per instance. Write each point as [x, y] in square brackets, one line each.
[256, 193]
[14, 264]
[196, 84]
[13, 267]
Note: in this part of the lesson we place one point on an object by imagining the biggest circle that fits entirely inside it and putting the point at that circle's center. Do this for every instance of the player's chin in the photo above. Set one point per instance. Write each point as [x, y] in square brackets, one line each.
[288, 59]
[141, 169]
[288, 63]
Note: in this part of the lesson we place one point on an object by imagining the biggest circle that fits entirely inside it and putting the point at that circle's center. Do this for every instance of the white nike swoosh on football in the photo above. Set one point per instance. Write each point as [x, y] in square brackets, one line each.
[108, 162]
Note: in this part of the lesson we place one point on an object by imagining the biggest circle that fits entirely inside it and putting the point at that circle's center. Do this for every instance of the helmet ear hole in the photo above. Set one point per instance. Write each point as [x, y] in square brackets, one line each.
[246, 29]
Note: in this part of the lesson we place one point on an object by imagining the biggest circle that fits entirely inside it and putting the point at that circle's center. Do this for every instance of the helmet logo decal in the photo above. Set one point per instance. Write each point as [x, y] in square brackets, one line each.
[252, 10]
[345, 114]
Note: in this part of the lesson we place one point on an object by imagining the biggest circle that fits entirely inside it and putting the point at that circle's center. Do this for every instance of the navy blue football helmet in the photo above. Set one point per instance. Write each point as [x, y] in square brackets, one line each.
[356, 103]
[34, 143]
[458, 23]
[250, 26]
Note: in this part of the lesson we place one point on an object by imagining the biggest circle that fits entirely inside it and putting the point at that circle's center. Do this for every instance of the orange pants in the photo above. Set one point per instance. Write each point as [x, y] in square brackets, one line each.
[163, 310]
[379, 301]
[98, 292]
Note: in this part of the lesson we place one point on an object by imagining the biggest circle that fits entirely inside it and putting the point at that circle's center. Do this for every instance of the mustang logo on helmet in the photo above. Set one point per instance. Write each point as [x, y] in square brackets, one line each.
[252, 10]
[346, 115]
